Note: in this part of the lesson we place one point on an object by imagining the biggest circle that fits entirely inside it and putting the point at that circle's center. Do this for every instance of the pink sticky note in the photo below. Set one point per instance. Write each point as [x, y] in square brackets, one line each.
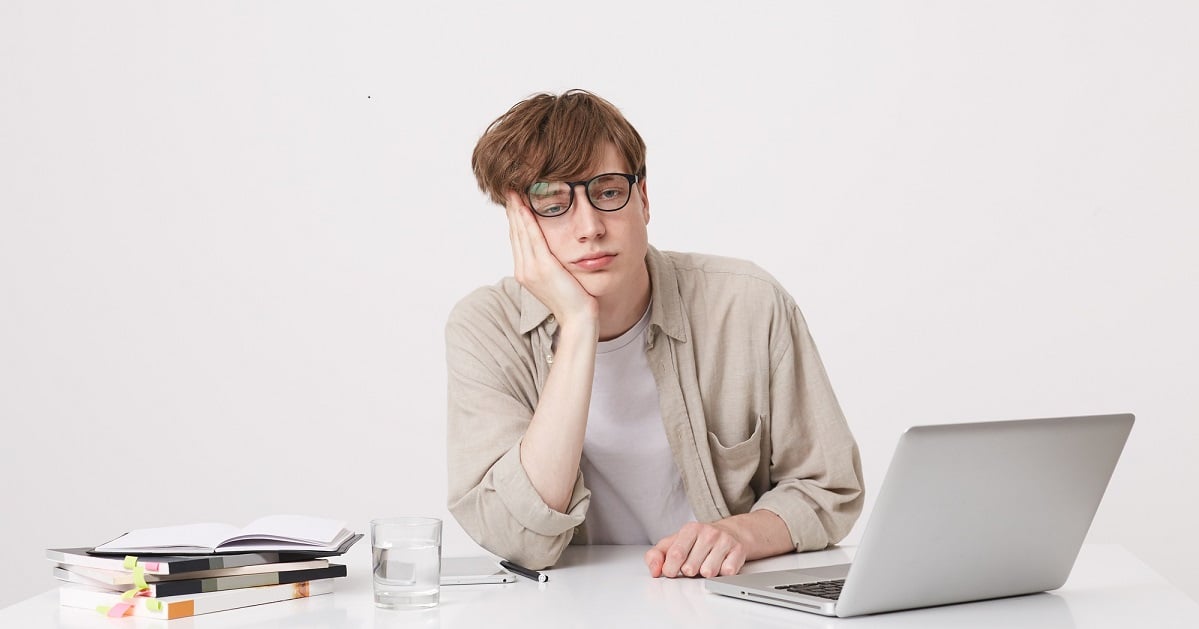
[150, 565]
[120, 609]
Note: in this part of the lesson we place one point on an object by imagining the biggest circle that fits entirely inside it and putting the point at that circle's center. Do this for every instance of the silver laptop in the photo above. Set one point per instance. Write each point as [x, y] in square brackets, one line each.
[967, 512]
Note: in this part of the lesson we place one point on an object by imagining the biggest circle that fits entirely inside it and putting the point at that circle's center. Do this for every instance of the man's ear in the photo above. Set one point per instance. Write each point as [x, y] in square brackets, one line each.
[644, 201]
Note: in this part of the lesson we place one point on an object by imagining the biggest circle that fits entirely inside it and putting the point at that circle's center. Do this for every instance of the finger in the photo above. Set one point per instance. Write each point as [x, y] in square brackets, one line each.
[653, 561]
[515, 209]
[528, 237]
[706, 539]
[655, 557]
[514, 239]
[511, 209]
[679, 550]
[720, 551]
[518, 211]
[538, 247]
[725, 546]
[733, 562]
[523, 254]
[514, 201]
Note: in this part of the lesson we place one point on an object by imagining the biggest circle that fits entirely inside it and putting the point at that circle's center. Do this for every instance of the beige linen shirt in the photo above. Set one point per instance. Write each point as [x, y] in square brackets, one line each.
[747, 408]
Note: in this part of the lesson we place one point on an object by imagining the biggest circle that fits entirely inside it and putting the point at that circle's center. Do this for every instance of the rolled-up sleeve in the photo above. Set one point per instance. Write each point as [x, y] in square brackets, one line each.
[491, 399]
[815, 468]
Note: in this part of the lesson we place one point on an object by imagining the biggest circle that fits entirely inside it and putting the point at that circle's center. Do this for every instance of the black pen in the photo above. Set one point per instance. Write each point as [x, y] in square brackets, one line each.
[524, 572]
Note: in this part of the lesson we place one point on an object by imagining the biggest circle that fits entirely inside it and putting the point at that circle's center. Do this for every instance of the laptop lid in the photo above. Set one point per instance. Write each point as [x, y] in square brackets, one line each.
[967, 512]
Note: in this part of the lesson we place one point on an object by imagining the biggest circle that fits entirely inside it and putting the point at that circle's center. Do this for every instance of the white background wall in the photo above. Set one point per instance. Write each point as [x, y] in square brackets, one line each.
[230, 233]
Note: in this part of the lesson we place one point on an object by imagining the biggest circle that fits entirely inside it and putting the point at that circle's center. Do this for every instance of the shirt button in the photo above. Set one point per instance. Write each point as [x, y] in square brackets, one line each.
[549, 319]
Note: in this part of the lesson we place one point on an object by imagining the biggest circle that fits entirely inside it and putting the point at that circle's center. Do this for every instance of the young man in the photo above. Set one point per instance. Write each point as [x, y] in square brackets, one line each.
[611, 393]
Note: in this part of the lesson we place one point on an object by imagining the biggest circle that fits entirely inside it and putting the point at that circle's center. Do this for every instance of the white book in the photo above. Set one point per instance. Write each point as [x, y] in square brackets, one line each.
[270, 533]
[169, 607]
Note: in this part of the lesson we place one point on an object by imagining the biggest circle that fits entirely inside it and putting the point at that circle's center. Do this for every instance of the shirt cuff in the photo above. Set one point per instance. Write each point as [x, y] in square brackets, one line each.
[521, 499]
[806, 529]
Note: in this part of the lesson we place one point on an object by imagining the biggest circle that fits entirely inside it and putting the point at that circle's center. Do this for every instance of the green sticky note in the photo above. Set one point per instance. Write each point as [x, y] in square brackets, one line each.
[130, 561]
[154, 605]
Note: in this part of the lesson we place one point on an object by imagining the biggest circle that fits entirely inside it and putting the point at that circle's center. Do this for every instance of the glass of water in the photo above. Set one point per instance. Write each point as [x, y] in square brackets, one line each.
[406, 562]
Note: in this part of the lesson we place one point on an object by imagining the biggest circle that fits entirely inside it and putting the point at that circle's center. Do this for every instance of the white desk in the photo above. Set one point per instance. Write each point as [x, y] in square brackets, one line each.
[608, 586]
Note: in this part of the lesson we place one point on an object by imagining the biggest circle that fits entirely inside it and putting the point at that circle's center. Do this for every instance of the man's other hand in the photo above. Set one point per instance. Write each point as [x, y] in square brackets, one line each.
[698, 549]
[719, 548]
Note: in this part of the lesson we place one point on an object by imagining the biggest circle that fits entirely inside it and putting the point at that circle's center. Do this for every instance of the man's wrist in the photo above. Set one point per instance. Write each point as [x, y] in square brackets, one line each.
[583, 326]
[762, 533]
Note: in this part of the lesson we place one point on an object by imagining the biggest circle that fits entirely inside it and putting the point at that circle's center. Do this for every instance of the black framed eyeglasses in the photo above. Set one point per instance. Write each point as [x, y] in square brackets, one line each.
[607, 192]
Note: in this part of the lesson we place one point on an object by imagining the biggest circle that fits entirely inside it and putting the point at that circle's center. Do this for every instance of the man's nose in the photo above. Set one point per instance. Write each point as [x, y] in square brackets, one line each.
[588, 222]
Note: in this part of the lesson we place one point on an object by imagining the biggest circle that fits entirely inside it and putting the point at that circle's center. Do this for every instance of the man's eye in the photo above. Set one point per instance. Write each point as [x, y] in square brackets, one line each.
[552, 210]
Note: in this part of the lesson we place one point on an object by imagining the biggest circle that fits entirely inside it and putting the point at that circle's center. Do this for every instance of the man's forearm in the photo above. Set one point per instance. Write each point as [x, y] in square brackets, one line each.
[553, 444]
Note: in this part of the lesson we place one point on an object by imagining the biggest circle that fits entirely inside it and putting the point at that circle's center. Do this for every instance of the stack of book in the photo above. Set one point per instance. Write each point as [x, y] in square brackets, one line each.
[179, 571]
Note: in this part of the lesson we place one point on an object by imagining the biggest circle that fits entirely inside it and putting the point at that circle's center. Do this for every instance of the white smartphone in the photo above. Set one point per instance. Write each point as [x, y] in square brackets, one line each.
[473, 570]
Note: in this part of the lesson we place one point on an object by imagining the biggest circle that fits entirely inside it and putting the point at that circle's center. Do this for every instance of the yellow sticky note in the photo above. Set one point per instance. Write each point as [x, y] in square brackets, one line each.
[139, 578]
[103, 609]
[130, 561]
[154, 605]
[128, 594]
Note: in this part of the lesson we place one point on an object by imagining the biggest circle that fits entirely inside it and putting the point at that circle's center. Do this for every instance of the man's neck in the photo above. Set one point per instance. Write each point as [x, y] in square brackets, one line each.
[619, 313]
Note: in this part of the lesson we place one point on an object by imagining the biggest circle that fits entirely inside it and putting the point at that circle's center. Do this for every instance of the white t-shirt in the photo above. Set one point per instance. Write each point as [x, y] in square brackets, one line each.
[637, 494]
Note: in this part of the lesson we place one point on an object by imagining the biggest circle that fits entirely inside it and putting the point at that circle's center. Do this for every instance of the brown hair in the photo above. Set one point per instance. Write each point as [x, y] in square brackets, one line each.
[548, 137]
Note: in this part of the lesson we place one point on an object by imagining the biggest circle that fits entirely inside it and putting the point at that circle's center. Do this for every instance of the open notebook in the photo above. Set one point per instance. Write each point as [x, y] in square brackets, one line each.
[286, 533]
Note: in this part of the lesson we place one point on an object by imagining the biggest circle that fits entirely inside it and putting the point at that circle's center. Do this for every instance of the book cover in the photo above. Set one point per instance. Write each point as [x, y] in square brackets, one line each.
[168, 564]
[271, 533]
[210, 584]
[125, 580]
[171, 607]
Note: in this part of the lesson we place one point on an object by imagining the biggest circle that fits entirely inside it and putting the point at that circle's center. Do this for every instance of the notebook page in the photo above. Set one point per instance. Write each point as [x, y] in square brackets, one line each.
[292, 527]
[201, 535]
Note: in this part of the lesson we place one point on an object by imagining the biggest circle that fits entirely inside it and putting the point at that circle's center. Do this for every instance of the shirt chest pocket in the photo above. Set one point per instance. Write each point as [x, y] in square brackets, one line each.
[735, 466]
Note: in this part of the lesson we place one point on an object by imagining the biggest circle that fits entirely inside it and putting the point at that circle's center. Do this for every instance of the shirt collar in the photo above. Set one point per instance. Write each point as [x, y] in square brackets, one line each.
[666, 312]
[532, 312]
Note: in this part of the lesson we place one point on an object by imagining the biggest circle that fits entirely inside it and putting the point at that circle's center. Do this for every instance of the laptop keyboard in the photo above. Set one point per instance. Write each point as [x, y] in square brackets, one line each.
[824, 589]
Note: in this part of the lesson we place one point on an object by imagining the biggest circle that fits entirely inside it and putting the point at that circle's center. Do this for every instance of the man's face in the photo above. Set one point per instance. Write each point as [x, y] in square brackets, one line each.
[604, 251]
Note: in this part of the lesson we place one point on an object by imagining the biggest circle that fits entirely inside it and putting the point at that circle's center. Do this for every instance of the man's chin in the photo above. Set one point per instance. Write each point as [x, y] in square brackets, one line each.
[596, 284]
